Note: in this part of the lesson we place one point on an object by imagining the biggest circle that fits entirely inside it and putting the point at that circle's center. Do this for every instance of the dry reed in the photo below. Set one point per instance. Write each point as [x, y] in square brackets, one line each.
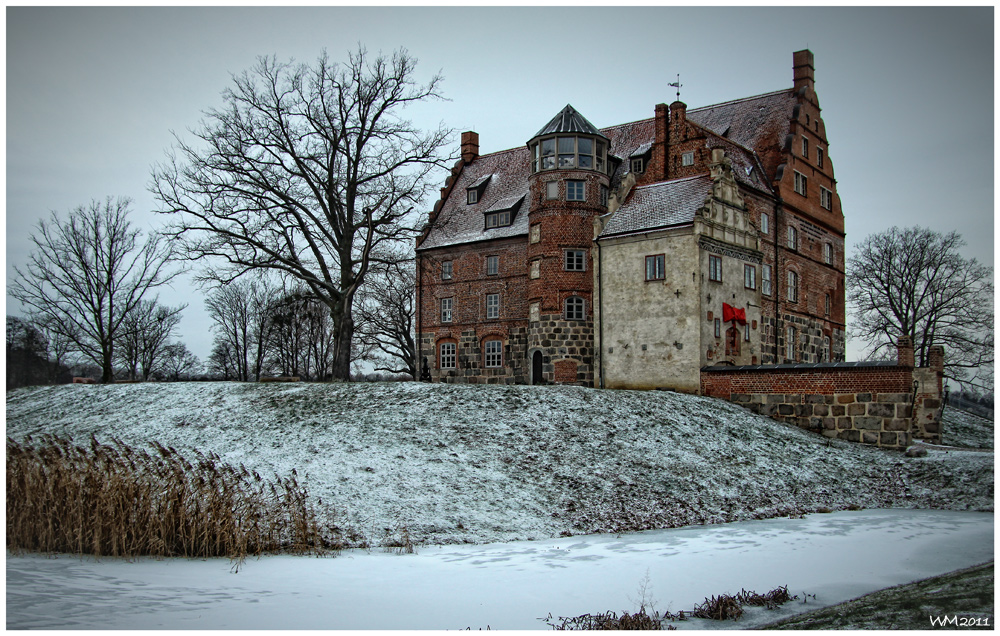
[115, 500]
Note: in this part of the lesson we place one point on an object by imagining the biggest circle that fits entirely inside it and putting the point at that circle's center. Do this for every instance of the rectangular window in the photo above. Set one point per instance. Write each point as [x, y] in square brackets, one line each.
[637, 165]
[604, 195]
[575, 261]
[828, 253]
[746, 332]
[575, 190]
[446, 270]
[551, 189]
[793, 238]
[473, 196]
[492, 265]
[494, 354]
[793, 287]
[715, 268]
[805, 147]
[718, 327]
[749, 277]
[655, 267]
[498, 219]
[687, 159]
[790, 344]
[447, 355]
[827, 305]
[492, 305]
[765, 280]
[800, 183]
[825, 198]
[446, 306]
[765, 224]
[819, 156]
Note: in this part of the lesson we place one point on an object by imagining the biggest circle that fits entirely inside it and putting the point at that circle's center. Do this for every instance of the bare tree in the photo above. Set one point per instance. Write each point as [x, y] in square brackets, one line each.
[88, 273]
[913, 282]
[222, 360]
[241, 311]
[178, 362]
[386, 309]
[308, 171]
[145, 332]
[302, 336]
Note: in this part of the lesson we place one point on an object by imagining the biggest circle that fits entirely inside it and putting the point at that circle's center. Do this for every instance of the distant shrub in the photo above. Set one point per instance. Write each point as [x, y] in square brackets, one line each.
[115, 500]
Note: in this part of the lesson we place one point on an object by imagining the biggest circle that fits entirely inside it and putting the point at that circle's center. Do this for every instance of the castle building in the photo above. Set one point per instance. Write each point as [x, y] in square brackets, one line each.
[635, 255]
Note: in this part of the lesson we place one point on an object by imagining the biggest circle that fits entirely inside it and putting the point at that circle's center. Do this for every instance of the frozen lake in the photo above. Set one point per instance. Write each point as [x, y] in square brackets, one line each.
[835, 556]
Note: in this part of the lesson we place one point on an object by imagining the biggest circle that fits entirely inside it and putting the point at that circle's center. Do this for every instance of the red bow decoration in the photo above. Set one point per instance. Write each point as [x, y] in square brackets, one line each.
[732, 314]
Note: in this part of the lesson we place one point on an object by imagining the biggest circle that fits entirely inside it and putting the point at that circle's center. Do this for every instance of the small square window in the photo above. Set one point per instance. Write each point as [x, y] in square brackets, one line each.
[494, 354]
[492, 265]
[473, 196]
[655, 267]
[638, 165]
[551, 189]
[446, 270]
[576, 191]
[750, 277]
[765, 224]
[715, 268]
[492, 305]
[575, 261]
[687, 159]
[446, 307]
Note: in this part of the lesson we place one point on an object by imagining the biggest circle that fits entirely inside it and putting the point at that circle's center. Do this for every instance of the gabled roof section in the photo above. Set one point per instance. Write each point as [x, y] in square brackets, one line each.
[756, 123]
[747, 166]
[569, 121]
[625, 140]
[459, 222]
[659, 205]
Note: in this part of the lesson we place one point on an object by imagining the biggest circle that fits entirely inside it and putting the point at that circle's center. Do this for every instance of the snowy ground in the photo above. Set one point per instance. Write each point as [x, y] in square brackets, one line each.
[962, 428]
[835, 556]
[480, 464]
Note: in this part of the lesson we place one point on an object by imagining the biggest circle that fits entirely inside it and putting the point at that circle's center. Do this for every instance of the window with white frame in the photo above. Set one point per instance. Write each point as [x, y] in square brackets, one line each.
[576, 190]
[492, 305]
[793, 238]
[569, 152]
[446, 359]
[498, 219]
[825, 198]
[805, 146]
[551, 189]
[826, 305]
[715, 268]
[638, 165]
[574, 308]
[446, 270]
[473, 196]
[828, 253]
[749, 276]
[575, 261]
[793, 287]
[493, 354]
[446, 307]
[687, 159]
[765, 280]
[765, 224]
[790, 343]
[492, 265]
[819, 156]
[801, 183]
[655, 267]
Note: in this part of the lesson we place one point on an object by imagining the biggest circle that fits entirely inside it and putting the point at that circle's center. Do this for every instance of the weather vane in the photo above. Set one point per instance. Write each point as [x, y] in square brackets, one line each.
[677, 85]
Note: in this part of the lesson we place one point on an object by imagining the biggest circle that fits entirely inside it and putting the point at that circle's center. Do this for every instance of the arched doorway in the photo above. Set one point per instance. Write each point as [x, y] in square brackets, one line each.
[536, 368]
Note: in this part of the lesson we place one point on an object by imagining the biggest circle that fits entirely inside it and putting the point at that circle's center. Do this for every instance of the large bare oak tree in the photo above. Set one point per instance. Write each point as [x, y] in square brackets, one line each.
[309, 171]
[914, 282]
[88, 273]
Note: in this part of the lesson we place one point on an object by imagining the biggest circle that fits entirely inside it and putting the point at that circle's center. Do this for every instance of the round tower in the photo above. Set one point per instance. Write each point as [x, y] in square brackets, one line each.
[568, 188]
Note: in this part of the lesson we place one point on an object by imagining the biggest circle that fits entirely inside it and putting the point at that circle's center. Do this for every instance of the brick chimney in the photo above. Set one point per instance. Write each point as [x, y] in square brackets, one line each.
[803, 70]
[470, 146]
[661, 139]
[904, 352]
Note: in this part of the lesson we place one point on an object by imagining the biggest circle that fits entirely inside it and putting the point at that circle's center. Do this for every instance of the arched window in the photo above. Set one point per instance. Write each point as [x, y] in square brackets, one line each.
[575, 308]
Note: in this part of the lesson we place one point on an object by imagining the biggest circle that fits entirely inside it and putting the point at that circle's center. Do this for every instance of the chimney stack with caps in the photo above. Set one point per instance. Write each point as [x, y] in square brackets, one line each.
[470, 146]
[803, 70]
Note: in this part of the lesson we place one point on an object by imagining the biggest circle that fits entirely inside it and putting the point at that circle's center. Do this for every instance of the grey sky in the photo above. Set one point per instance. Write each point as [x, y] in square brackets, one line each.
[907, 93]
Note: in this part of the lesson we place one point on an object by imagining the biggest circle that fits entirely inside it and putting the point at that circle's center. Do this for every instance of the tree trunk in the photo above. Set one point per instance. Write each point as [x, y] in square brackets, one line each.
[343, 335]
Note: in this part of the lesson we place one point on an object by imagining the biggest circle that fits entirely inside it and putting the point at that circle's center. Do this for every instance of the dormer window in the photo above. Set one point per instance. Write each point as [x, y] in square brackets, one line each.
[638, 165]
[473, 196]
[502, 212]
[474, 193]
[498, 219]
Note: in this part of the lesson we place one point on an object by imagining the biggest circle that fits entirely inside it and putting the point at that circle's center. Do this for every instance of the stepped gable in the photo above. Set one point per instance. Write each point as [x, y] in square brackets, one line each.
[660, 205]
[459, 222]
[748, 169]
[759, 123]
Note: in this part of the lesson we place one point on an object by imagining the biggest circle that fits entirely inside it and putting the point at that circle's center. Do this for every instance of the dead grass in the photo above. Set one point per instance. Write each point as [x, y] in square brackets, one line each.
[115, 500]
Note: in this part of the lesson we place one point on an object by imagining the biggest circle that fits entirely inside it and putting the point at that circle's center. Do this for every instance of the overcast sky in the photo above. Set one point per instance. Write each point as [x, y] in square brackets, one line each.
[907, 93]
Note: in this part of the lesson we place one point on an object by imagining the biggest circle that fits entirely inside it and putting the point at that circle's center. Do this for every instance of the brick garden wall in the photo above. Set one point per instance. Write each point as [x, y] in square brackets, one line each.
[880, 403]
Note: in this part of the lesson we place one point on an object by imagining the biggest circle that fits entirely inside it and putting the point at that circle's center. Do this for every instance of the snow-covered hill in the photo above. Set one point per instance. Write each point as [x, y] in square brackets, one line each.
[454, 463]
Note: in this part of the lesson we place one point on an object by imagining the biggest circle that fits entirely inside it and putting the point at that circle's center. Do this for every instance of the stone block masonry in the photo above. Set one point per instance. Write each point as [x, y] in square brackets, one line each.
[880, 403]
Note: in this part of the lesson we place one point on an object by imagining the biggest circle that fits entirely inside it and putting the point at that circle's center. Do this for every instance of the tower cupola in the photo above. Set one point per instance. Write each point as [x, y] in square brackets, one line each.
[569, 142]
